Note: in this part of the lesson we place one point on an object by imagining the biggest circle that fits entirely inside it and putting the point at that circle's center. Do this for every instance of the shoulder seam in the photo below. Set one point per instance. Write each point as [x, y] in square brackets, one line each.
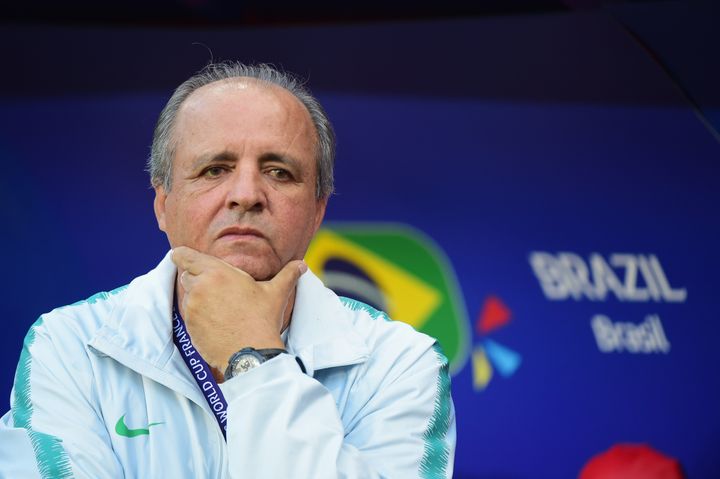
[99, 296]
[355, 305]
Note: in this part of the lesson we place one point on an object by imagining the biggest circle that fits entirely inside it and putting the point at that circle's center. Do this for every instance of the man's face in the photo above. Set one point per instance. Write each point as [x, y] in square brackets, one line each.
[243, 178]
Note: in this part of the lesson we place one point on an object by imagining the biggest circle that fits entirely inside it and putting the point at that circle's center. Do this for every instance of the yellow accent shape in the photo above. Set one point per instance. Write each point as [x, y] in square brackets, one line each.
[408, 298]
[482, 370]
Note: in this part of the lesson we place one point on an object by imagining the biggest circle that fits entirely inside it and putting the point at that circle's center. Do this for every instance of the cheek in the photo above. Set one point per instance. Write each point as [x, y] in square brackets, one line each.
[187, 219]
[299, 223]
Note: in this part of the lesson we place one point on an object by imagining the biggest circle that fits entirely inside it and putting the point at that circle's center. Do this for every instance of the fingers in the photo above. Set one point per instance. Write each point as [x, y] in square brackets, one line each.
[191, 260]
[190, 263]
[193, 263]
[287, 278]
[188, 280]
[186, 259]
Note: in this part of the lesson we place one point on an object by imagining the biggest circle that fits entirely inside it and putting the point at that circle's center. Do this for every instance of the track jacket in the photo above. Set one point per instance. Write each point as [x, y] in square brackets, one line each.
[102, 392]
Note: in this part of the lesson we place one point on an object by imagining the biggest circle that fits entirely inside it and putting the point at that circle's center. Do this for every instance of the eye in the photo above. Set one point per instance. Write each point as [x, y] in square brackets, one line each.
[280, 174]
[213, 171]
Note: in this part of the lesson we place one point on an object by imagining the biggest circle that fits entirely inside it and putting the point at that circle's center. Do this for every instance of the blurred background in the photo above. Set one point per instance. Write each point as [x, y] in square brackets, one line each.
[534, 183]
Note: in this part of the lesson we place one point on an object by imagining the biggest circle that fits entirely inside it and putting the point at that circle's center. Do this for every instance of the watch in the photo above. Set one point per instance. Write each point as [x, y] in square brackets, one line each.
[248, 358]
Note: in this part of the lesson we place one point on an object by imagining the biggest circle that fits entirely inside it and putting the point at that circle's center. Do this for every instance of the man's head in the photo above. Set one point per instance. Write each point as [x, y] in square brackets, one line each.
[241, 167]
[159, 164]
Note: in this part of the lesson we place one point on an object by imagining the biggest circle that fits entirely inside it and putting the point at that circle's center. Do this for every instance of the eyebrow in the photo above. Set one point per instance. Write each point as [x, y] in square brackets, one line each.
[284, 159]
[206, 159]
[230, 157]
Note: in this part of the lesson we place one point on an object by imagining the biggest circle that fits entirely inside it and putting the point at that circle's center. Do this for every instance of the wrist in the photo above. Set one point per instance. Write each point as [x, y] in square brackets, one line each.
[249, 358]
[223, 360]
[270, 343]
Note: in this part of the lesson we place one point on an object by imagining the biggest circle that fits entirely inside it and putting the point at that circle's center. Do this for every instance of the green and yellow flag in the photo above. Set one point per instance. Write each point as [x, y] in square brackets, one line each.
[397, 269]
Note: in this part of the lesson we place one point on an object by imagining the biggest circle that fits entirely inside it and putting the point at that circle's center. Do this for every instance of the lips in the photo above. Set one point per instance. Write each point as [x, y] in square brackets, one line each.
[240, 232]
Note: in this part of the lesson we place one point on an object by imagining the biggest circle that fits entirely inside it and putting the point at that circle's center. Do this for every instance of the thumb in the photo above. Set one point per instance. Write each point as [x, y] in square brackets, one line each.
[287, 278]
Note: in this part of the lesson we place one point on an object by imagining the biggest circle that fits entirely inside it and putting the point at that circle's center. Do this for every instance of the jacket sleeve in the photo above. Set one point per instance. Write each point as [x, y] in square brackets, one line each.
[397, 421]
[52, 430]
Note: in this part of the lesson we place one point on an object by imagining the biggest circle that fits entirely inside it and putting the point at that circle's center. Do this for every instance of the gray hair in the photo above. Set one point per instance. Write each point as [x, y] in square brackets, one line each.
[159, 165]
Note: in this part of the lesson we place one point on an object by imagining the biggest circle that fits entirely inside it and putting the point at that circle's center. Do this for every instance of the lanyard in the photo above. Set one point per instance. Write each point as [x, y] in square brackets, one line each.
[200, 371]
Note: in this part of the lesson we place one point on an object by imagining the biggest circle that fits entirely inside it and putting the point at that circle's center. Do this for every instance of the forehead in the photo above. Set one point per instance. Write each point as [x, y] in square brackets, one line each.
[245, 103]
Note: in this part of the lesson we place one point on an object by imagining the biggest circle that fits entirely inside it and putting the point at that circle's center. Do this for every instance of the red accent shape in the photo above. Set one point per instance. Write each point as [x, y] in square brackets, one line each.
[494, 314]
[632, 461]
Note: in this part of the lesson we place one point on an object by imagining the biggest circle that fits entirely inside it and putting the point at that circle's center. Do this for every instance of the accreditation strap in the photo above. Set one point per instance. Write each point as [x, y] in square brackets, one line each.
[200, 371]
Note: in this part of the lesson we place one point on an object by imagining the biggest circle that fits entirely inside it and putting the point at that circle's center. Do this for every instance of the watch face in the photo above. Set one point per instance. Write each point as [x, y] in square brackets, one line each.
[245, 363]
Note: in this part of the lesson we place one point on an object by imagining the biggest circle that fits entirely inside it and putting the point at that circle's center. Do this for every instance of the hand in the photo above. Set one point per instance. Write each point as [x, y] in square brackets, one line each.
[225, 309]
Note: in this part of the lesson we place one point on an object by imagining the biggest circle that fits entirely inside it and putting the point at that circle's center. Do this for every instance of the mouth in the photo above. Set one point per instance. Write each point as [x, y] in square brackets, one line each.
[239, 232]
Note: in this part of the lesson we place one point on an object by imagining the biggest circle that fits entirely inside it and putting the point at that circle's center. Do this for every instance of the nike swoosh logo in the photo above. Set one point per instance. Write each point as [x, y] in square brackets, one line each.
[122, 429]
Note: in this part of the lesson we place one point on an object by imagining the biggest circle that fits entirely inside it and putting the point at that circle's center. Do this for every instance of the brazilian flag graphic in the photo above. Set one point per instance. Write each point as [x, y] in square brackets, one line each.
[399, 270]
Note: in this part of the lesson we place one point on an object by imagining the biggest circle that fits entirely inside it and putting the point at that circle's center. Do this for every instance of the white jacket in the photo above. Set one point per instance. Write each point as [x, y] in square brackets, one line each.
[375, 401]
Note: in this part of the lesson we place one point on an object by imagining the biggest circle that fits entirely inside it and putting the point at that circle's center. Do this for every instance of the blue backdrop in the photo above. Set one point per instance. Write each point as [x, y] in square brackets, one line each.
[586, 197]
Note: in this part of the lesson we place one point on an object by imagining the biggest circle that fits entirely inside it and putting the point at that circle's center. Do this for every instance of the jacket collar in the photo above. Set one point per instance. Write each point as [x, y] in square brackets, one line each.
[322, 331]
[138, 332]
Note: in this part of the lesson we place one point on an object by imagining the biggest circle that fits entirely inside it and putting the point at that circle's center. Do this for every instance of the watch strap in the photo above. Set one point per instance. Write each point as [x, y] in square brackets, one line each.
[270, 353]
[261, 355]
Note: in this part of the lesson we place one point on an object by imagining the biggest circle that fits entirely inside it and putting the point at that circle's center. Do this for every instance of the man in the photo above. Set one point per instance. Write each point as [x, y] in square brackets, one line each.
[230, 359]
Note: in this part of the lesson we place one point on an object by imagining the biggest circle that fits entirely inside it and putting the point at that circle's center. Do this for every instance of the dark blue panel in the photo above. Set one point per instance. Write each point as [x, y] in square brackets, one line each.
[492, 171]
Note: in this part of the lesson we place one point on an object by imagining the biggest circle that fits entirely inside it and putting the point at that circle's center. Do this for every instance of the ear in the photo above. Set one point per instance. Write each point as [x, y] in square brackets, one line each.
[159, 206]
[321, 205]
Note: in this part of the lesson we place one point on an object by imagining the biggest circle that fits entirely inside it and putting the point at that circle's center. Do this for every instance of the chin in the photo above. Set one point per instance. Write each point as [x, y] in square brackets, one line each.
[260, 263]
[261, 269]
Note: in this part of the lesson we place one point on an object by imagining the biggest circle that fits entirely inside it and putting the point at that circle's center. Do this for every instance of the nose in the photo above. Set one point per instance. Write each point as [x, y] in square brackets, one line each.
[246, 191]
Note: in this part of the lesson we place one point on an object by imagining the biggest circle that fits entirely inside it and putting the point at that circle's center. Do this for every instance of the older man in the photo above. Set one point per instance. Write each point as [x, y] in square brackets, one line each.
[230, 359]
